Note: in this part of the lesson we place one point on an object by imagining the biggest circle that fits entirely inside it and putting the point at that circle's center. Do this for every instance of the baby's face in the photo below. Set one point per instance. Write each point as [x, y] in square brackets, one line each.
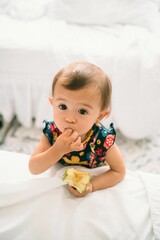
[75, 109]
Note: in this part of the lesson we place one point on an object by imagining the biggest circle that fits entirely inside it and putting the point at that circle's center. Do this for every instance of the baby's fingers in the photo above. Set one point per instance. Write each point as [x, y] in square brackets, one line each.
[78, 194]
[68, 132]
[77, 145]
[74, 136]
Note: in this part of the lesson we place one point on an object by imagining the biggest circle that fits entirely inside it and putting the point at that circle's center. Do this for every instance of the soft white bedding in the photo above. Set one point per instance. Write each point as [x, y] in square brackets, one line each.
[40, 207]
[31, 52]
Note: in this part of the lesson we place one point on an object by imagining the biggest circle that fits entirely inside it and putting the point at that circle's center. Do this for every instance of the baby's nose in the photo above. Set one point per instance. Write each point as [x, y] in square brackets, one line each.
[70, 119]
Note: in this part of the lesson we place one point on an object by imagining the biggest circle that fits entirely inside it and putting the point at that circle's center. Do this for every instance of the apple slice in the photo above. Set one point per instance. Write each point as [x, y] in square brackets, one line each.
[77, 179]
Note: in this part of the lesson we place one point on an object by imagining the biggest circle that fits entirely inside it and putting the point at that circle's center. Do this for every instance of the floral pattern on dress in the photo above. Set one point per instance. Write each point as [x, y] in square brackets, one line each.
[98, 140]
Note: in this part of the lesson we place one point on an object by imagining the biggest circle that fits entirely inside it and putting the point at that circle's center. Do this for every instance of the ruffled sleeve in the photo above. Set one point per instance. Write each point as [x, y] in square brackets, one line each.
[110, 137]
[48, 130]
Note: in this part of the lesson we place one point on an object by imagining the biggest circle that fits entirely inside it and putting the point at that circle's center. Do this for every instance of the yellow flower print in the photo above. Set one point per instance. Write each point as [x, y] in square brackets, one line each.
[90, 133]
[98, 141]
[55, 136]
[81, 153]
[92, 146]
[74, 160]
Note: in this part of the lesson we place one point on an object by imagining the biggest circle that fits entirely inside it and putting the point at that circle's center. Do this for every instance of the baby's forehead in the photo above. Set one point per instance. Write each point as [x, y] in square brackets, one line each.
[78, 98]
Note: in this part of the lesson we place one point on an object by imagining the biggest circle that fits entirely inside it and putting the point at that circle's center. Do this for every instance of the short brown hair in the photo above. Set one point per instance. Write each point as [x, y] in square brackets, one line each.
[78, 75]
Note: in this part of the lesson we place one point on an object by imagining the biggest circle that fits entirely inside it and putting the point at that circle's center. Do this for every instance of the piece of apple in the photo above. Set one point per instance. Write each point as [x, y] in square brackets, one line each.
[77, 179]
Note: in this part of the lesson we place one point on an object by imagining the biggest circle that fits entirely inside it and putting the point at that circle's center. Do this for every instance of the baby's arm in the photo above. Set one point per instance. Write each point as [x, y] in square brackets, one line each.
[116, 172]
[108, 178]
[45, 155]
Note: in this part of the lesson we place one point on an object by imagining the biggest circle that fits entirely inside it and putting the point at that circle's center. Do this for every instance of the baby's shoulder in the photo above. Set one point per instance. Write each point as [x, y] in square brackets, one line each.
[100, 129]
[50, 130]
[49, 125]
[104, 137]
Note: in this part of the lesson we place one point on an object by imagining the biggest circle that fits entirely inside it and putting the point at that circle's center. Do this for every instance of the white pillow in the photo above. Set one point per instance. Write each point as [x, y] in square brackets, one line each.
[106, 12]
[24, 9]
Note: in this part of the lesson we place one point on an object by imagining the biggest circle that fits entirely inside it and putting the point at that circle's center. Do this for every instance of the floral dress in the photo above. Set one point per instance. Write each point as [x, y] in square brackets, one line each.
[98, 140]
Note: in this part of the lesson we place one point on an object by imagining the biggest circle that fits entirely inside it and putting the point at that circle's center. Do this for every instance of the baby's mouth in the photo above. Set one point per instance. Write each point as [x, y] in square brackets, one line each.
[68, 128]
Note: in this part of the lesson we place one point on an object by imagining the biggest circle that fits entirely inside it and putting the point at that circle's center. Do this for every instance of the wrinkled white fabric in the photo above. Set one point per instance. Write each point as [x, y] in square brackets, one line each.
[143, 13]
[41, 207]
[153, 194]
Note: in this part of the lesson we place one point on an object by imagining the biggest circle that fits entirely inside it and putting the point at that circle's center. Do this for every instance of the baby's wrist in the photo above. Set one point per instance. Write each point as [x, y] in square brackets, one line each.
[58, 150]
[90, 188]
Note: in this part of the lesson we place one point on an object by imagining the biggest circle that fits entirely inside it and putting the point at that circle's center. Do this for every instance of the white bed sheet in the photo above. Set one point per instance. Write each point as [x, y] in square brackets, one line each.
[129, 54]
[40, 207]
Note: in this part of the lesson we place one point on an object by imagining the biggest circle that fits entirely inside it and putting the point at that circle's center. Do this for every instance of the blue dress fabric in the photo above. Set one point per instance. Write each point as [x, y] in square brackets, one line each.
[98, 140]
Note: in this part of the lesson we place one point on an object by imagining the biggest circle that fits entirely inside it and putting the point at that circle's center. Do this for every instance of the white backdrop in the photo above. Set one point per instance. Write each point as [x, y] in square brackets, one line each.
[35, 44]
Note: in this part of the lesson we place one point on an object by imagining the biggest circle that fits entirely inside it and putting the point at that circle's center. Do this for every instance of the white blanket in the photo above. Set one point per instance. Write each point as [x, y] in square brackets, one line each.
[41, 207]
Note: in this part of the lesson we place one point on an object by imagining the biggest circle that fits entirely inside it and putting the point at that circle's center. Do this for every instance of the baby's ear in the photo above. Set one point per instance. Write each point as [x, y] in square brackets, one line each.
[103, 114]
[50, 100]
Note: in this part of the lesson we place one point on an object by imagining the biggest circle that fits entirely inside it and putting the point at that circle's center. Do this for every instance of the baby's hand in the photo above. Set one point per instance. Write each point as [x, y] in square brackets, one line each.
[78, 194]
[69, 141]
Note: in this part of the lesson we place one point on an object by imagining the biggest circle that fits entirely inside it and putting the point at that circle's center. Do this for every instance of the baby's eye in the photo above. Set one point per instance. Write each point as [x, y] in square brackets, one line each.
[82, 111]
[62, 106]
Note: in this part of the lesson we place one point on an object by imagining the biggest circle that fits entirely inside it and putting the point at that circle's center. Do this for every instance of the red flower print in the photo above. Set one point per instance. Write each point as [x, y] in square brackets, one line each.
[99, 152]
[92, 156]
[51, 128]
[68, 154]
[108, 141]
[92, 159]
[102, 159]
